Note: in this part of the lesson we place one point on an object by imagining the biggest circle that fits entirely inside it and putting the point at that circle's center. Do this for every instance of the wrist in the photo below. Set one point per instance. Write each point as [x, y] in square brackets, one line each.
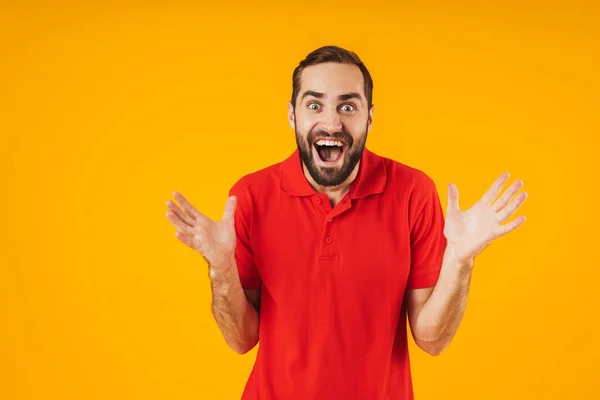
[224, 272]
[220, 273]
[461, 263]
[223, 266]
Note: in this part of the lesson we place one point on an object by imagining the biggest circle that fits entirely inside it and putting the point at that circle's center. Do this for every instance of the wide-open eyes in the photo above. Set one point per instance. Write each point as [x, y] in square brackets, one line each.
[347, 107]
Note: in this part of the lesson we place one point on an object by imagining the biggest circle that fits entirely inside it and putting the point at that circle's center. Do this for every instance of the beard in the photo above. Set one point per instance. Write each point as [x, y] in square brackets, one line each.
[331, 176]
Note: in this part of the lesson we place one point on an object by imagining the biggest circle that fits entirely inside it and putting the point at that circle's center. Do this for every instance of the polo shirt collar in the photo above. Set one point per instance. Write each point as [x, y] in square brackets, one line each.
[371, 177]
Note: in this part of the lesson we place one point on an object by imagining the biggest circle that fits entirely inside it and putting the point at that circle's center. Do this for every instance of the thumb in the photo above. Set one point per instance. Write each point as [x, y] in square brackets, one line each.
[452, 198]
[230, 207]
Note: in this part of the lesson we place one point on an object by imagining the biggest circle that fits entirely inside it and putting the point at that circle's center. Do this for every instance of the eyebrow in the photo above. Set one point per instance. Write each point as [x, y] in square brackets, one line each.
[342, 97]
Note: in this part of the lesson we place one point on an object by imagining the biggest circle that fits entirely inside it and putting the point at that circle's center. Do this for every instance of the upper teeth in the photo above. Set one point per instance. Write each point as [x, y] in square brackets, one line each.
[325, 142]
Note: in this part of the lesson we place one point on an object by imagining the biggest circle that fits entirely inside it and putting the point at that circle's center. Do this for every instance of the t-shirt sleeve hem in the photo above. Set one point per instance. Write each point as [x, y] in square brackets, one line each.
[423, 281]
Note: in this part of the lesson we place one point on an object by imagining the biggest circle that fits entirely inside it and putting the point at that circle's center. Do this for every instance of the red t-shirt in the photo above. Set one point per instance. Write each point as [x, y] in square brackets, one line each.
[332, 318]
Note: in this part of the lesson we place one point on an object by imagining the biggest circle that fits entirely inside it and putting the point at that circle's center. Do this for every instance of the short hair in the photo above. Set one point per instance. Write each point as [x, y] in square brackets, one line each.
[332, 54]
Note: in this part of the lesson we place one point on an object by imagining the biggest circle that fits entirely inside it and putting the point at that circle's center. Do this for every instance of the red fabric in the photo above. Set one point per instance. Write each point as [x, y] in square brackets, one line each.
[332, 318]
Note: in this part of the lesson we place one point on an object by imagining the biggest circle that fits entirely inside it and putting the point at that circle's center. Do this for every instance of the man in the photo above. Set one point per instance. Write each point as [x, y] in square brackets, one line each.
[324, 255]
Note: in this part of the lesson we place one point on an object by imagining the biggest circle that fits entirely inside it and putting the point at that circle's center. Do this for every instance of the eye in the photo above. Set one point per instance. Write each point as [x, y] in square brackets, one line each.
[313, 106]
[347, 107]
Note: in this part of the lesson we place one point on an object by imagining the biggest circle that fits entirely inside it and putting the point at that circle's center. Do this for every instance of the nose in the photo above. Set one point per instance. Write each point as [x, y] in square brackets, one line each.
[332, 121]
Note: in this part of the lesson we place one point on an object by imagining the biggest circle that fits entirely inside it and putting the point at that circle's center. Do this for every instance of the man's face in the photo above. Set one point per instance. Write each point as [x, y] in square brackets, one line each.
[331, 120]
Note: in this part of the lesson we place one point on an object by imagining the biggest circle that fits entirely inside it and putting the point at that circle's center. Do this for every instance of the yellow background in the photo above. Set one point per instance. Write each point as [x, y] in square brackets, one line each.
[105, 110]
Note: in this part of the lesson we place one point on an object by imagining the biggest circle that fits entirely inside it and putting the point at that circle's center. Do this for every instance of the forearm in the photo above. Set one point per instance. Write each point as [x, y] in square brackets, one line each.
[441, 315]
[236, 317]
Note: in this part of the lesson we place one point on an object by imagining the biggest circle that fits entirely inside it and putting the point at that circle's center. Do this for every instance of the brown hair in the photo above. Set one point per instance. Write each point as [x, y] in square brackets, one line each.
[332, 54]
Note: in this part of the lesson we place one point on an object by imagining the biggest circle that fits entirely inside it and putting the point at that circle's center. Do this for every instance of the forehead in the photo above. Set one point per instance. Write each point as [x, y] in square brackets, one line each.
[332, 79]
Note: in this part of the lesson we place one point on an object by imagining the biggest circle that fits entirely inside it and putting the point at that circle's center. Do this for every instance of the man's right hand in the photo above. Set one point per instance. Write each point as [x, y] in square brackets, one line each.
[214, 240]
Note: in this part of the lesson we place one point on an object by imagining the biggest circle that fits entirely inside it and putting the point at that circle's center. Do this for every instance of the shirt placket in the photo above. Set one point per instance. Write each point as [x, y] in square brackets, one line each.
[329, 239]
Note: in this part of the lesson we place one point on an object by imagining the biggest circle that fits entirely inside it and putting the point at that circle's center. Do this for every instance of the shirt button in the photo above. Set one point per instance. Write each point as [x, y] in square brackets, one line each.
[318, 200]
[328, 240]
[330, 219]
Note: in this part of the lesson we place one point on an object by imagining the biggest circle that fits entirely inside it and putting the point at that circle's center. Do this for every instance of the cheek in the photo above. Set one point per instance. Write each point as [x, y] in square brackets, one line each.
[305, 124]
[356, 126]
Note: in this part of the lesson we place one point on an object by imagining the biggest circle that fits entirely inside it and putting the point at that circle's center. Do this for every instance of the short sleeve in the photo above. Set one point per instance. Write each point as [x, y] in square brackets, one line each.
[427, 240]
[244, 255]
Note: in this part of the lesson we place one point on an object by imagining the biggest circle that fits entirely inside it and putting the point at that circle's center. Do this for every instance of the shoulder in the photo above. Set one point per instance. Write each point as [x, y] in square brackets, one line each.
[408, 187]
[251, 190]
[262, 181]
[407, 179]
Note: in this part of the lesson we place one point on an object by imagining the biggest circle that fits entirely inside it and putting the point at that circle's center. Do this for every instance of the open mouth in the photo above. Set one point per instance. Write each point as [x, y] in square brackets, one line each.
[329, 150]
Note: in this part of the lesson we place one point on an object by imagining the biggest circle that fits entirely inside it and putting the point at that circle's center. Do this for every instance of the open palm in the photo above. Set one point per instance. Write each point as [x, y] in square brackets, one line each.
[471, 230]
[214, 240]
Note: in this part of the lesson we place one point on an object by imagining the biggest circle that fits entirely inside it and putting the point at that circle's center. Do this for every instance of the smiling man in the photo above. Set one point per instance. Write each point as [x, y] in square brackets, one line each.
[326, 255]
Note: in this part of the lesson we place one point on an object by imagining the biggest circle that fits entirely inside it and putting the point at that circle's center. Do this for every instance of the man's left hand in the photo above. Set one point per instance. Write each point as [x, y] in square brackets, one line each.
[469, 232]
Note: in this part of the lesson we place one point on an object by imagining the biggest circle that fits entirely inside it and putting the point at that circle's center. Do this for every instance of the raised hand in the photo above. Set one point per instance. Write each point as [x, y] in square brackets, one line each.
[470, 231]
[214, 240]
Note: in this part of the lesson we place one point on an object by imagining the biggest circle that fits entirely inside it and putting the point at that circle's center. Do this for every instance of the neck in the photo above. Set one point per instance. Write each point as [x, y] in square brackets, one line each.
[335, 193]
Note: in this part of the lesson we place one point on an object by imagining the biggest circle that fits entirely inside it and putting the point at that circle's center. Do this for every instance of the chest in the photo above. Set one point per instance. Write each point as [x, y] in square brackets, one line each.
[358, 249]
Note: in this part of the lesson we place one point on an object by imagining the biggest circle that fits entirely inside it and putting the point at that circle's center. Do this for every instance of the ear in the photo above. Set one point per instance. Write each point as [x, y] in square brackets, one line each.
[370, 120]
[291, 116]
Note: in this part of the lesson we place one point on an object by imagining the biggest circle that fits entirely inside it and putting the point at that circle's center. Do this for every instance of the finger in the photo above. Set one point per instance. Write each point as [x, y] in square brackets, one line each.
[179, 224]
[507, 195]
[493, 191]
[512, 207]
[229, 212]
[182, 215]
[185, 239]
[189, 208]
[511, 226]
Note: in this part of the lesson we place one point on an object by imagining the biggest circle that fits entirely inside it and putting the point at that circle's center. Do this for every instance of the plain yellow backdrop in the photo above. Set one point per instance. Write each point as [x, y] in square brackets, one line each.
[105, 110]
